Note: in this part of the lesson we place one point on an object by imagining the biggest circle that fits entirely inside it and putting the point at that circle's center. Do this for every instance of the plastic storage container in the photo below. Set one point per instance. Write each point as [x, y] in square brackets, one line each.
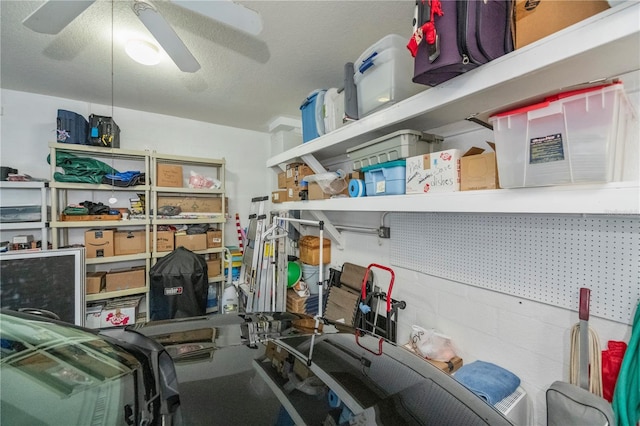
[383, 75]
[391, 147]
[312, 110]
[581, 136]
[385, 179]
[21, 214]
[333, 111]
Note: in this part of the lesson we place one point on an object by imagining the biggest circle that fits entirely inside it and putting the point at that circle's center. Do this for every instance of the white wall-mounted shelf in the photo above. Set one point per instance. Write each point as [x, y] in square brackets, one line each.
[602, 46]
[618, 198]
[596, 48]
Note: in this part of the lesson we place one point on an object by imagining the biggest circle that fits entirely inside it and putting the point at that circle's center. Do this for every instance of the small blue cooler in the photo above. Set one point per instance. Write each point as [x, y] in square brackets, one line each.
[386, 178]
[313, 115]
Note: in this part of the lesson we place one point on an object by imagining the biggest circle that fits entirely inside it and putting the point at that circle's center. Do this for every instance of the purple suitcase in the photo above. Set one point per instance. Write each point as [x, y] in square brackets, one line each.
[469, 33]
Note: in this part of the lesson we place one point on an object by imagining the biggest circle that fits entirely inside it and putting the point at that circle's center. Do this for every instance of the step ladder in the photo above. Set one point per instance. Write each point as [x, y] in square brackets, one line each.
[253, 272]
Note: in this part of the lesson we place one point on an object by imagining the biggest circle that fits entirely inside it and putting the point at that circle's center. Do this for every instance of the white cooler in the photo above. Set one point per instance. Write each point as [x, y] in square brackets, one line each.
[383, 75]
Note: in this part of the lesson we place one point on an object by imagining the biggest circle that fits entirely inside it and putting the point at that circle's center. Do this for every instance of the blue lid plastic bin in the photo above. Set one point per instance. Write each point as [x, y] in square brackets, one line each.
[312, 115]
[386, 178]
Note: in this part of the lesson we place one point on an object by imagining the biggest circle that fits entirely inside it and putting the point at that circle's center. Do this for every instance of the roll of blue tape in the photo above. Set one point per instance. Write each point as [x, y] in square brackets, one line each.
[356, 188]
[334, 400]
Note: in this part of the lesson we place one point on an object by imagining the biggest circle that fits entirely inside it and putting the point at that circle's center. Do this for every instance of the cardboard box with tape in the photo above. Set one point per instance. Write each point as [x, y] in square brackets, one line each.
[478, 169]
[99, 243]
[540, 18]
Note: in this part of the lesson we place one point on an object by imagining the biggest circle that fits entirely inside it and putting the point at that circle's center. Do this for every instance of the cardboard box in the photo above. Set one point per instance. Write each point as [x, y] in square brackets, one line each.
[99, 243]
[95, 282]
[301, 369]
[279, 196]
[194, 204]
[129, 242]
[92, 317]
[479, 169]
[435, 172]
[164, 241]
[214, 239]
[449, 367]
[169, 175]
[117, 312]
[282, 180]
[192, 242]
[124, 279]
[295, 302]
[315, 191]
[295, 173]
[294, 194]
[537, 19]
[310, 250]
[214, 268]
[276, 354]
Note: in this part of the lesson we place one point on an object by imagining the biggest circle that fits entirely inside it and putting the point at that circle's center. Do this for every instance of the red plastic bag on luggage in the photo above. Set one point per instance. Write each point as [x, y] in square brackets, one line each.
[611, 362]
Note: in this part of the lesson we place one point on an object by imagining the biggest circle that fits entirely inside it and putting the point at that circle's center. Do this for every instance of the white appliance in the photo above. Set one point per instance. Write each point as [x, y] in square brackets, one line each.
[515, 407]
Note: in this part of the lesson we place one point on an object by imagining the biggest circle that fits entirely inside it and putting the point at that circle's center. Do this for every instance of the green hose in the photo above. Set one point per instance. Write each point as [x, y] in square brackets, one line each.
[626, 396]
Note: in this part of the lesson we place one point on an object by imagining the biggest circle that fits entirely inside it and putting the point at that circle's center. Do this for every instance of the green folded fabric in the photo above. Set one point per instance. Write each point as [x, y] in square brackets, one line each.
[75, 211]
[80, 169]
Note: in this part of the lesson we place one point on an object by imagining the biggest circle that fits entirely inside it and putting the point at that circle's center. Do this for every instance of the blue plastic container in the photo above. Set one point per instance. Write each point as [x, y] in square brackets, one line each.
[386, 178]
[312, 116]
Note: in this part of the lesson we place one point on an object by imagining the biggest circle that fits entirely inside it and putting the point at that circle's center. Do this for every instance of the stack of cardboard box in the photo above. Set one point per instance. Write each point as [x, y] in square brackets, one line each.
[296, 172]
[291, 185]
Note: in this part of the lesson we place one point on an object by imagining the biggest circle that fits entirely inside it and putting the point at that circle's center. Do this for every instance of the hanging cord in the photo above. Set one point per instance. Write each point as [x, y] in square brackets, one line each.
[113, 198]
[595, 360]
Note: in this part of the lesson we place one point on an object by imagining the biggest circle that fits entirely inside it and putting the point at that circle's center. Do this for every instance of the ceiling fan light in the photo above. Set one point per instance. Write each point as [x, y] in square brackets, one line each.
[143, 52]
[165, 36]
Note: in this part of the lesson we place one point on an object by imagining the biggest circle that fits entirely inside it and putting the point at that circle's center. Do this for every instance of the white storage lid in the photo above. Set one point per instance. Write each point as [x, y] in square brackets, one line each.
[391, 41]
[381, 58]
[418, 135]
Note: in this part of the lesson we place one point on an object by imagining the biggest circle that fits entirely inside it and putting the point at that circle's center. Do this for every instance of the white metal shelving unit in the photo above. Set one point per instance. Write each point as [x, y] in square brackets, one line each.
[603, 46]
[146, 162]
[42, 224]
[60, 192]
[206, 165]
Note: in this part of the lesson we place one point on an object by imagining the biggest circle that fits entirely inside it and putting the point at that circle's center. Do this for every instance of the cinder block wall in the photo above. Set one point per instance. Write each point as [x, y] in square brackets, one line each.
[528, 338]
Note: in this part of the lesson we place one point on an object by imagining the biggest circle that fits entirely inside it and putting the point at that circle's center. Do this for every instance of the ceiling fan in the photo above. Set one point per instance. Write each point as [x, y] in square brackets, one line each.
[52, 16]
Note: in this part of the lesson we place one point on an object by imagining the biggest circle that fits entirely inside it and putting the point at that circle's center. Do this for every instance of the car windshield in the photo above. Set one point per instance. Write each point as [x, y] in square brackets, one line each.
[52, 374]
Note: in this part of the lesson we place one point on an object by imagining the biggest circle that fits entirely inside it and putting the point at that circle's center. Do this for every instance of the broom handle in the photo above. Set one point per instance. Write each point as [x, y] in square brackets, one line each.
[583, 313]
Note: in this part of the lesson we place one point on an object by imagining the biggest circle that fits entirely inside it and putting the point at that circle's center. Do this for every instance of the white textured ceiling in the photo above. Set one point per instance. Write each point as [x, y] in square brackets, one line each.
[244, 81]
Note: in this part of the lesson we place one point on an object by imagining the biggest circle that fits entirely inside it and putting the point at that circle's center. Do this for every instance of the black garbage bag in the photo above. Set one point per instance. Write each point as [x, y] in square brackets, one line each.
[179, 284]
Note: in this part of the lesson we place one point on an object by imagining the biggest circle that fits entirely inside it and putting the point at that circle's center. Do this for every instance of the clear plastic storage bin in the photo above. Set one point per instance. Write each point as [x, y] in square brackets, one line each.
[581, 136]
[383, 75]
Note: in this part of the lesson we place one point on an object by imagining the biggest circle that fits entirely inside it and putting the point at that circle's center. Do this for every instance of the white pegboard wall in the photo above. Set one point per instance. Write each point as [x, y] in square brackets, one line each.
[546, 258]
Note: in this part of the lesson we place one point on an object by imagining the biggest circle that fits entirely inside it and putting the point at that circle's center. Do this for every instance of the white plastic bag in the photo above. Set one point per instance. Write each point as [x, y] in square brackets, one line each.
[330, 182]
[199, 181]
[431, 345]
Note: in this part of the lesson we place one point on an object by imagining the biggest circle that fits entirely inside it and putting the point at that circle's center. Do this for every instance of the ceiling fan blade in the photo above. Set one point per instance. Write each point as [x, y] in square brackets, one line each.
[227, 12]
[166, 36]
[52, 16]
